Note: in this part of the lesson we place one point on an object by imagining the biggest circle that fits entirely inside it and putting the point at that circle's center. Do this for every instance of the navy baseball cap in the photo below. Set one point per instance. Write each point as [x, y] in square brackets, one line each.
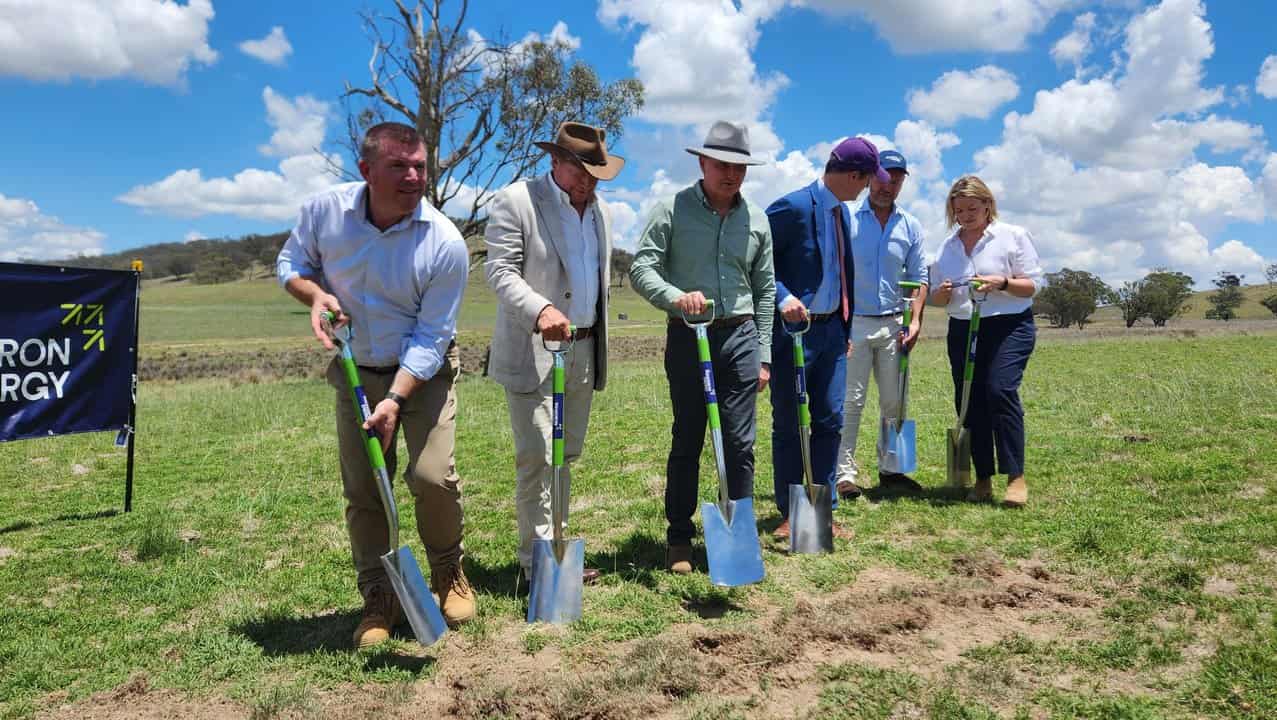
[857, 154]
[892, 160]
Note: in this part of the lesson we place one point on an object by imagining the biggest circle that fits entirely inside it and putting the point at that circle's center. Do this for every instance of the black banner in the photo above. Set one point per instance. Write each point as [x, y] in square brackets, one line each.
[68, 345]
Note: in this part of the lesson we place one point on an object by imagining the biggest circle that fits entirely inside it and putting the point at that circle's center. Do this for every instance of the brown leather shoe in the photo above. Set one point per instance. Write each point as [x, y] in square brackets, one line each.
[381, 612]
[843, 533]
[982, 491]
[590, 575]
[782, 531]
[456, 597]
[678, 558]
[1017, 493]
[847, 490]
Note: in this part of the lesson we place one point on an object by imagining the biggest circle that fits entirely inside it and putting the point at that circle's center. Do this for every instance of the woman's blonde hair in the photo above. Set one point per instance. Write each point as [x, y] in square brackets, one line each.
[970, 186]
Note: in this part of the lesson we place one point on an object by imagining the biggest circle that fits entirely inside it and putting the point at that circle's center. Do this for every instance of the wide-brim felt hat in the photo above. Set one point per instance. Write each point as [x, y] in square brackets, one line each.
[585, 144]
[728, 142]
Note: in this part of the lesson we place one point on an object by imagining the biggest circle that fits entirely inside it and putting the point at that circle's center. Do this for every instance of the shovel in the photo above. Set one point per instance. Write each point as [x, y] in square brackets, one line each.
[957, 454]
[811, 505]
[557, 564]
[731, 537]
[898, 437]
[401, 566]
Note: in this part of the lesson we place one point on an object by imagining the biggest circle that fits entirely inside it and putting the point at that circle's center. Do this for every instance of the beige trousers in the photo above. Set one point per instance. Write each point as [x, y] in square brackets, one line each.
[532, 422]
[428, 423]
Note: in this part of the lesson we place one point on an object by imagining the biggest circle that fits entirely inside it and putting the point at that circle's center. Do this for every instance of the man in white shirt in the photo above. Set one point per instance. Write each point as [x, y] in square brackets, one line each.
[546, 283]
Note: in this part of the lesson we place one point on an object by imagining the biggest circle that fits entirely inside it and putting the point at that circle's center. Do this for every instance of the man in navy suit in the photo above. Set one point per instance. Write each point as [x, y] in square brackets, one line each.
[812, 257]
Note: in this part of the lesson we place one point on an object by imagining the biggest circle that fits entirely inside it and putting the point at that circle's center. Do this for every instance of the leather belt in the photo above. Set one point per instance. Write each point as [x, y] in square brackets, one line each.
[582, 333]
[727, 322]
[821, 317]
[379, 370]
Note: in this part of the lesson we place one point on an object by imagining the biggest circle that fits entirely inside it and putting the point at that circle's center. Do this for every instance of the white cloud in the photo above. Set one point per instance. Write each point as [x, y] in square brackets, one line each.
[192, 236]
[1270, 184]
[1266, 83]
[922, 145]
[958, 94]
[1074, 47]
[923, 26]
[26, 233]
[272, 49]
[1132, 115]
[254, 194]
[694, 58]
[299, 124]
[156, 41]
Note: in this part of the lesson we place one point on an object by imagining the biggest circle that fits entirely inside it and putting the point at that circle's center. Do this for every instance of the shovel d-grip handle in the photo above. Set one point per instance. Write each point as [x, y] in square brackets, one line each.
[709, 310]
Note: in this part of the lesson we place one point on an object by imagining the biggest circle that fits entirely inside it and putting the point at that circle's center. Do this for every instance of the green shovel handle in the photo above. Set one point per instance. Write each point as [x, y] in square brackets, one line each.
[372, 443]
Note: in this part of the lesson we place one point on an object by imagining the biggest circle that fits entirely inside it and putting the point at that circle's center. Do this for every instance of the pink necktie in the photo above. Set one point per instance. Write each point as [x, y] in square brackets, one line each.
[842, 265]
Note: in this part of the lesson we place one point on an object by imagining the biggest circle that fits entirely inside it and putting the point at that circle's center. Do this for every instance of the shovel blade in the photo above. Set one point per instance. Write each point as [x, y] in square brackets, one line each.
[811, 520]
[731, 543]
[414, 595]
[897, 446]
[957, 457]
[557, 587]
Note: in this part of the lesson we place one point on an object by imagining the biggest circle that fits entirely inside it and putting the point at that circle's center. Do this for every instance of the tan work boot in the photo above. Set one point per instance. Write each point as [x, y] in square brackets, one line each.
[679, 559]
[381, 612]
[456, 597]
[982, 491]
[1017, 493]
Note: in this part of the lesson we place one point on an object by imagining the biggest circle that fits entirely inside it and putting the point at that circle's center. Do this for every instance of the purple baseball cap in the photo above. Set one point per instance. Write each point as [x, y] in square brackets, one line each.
[857, 154]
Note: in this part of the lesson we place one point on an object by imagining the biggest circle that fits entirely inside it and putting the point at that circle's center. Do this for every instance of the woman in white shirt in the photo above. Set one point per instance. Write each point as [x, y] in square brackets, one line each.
[1001, 257]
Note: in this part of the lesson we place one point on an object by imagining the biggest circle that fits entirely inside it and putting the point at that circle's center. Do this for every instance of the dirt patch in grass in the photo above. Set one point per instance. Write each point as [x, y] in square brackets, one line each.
[887, 618]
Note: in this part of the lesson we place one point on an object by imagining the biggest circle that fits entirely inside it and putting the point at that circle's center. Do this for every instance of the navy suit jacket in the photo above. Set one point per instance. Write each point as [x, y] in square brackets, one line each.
[796, 248]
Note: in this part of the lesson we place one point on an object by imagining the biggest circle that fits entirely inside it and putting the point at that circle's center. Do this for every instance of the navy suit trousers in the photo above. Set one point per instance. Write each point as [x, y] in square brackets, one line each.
[825, 351]
[995, 416]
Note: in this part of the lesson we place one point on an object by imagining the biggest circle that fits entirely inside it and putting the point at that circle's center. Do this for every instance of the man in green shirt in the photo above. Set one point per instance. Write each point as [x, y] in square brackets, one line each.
[707, 242]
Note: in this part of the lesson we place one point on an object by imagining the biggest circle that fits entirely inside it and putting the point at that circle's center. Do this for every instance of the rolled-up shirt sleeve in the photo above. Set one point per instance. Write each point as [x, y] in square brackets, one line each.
[445, 283]
[648, 272]
[1025, 261]
[300, 254]
[915, 263]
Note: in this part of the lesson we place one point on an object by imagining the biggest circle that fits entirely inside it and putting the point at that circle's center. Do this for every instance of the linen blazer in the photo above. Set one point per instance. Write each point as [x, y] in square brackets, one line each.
[526, 270]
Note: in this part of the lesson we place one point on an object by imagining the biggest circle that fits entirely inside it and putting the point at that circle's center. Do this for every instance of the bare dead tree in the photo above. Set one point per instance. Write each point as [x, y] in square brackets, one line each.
[479, 104]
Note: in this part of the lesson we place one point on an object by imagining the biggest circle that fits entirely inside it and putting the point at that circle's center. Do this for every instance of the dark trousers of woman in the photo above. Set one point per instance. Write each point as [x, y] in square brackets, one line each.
[995, 416]
[735, 354]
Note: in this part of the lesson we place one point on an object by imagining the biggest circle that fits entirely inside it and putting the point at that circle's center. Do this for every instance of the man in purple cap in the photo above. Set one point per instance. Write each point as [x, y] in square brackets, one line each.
[814, 277]
[886, 243]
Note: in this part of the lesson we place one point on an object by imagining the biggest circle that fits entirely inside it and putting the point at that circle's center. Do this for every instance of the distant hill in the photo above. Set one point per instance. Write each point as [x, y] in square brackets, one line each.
[208, 261]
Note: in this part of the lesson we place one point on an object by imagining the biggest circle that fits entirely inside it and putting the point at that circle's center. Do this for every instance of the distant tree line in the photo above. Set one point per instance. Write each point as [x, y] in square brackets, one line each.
[1072, 296]
[200, 261]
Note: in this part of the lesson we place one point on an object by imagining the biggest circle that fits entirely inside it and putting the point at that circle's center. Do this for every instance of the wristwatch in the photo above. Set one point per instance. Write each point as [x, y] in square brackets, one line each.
[399, 399]
[1006, 282]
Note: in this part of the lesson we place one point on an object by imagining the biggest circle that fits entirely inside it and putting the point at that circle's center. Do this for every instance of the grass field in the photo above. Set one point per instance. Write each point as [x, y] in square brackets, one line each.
[1141, 582]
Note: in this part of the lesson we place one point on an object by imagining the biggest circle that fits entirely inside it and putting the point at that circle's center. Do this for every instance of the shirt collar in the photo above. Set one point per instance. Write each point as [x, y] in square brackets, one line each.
[700, 194]
[561, 196]
[360, 208]
[867, 207]
[825, 195]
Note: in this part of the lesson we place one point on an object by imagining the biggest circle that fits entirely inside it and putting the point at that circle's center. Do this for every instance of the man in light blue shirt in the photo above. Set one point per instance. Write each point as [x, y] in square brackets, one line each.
[382, 259]
[886, 247]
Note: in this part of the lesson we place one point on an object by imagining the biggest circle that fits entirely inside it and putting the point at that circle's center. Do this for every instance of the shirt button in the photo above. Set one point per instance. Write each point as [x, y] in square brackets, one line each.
[568, 294]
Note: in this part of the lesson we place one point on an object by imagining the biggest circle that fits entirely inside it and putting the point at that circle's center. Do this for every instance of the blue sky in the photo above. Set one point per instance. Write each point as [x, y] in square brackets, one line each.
[1125, 135]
